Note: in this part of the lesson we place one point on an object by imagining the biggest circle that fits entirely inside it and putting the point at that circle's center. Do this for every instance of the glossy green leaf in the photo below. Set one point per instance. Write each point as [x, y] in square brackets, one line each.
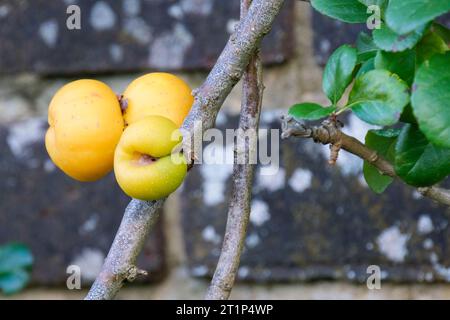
[402, 64]
[388, 40]
[378, 97]
[14, 281]
[383, 142]
[431, 44]
[339, 72]
[417, 161]
[404, 16]
[14, 256]
[366, 47]
[431, 99]
[351, 11]
[310, 111]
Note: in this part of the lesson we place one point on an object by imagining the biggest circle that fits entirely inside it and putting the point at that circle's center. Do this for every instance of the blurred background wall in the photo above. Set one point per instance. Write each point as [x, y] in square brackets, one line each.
[314, 229]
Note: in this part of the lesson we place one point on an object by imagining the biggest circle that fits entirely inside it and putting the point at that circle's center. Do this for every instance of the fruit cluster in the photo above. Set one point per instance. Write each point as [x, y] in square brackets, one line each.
[90, 133]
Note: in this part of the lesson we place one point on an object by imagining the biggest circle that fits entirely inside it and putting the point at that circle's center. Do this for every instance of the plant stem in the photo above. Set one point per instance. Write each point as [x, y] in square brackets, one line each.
[140, 216]
[329, 133]
[239, 208]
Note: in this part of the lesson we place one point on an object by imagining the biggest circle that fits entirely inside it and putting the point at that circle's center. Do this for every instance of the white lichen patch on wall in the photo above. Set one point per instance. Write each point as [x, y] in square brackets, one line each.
[173, 44]
[441, 270]
[90, 262]
[102, 16]
[393, 244]
[4, 10]
[48, 31]
[209, 234]
[252, 240]
[116, 52]
[271, 182]
[138, 29]
[131, 7]
[425, 224]
[259, 213]
[300, 180]
[22, 135]
[197, 7]
[215, 171]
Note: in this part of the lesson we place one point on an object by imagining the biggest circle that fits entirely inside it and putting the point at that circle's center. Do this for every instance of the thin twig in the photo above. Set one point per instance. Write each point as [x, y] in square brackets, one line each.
[239, 209]
[329, 133]
[208, 99]
[139, 218]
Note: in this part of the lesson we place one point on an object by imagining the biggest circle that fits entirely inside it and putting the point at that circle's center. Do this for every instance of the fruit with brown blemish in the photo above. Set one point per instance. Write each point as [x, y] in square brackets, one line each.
[147, 164]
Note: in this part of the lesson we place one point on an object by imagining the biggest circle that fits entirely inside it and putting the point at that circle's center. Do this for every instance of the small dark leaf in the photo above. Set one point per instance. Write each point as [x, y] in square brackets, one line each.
[339, 72]
[402, 64]
[351, 11]
[383, 142]
[431, 99]
[378, 97]
[388, 40]
[417, 161]
[310, 111]
[404, 16]
[366, 47]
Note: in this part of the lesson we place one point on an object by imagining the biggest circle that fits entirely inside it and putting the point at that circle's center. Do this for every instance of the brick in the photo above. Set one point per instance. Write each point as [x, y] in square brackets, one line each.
[313, 221]
[125, 35]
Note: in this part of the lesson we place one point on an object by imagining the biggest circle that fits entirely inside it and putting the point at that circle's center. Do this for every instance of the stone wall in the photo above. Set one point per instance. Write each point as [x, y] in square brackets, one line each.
[309, 221]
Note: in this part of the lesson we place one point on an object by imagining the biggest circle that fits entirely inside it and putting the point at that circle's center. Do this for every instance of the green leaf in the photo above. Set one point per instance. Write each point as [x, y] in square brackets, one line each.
[14, 281]
[366, 47]
[402, 64]
[378, 97]
[351, 11]
[383, 142]
[404, 16]
[431, 44]
[367, 66]
[310, 111]
[14, 256]
[431, 99]
[388, 40]
[339, 72]
[417, 161]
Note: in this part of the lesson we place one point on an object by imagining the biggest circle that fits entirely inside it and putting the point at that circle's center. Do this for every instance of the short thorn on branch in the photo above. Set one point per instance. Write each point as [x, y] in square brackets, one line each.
[133, 272]
[329, 132]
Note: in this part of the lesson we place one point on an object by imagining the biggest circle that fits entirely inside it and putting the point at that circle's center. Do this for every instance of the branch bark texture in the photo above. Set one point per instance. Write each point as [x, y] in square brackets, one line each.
[239, 208]
[140, 216]
[329, 133]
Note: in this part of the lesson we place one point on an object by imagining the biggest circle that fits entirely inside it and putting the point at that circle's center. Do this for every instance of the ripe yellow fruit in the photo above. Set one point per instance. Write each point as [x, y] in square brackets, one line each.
[146, 165]
[85, 126]
[162, 94]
